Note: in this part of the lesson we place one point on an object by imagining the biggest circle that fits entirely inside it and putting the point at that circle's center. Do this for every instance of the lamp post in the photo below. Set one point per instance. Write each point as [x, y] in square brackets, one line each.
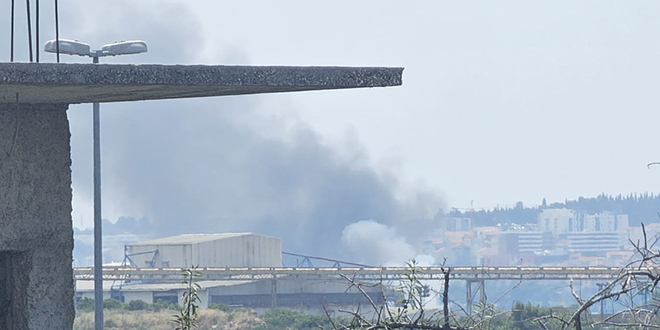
[74, 47]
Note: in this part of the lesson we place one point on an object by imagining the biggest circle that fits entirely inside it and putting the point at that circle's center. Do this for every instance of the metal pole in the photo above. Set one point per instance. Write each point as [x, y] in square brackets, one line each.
[11, 51]
[98, 255]
[37, 32]
[29, 28]
[57, 33]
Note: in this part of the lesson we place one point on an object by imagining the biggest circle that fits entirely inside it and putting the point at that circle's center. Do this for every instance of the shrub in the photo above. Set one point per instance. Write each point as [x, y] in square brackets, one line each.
[283, 319]
[109, 323]
[137, 305]
[85, 305]
[163, 304]
[113, 304]
[221, 307]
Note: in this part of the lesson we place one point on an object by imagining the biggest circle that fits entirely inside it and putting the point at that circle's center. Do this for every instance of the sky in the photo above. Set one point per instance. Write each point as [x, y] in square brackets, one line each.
[501, 102]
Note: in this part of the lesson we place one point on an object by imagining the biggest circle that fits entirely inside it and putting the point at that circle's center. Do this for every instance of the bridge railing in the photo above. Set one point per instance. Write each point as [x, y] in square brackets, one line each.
[371, 273]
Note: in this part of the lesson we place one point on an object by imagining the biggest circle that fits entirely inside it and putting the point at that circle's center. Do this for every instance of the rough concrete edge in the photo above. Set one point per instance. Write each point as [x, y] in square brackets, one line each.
[197, 75]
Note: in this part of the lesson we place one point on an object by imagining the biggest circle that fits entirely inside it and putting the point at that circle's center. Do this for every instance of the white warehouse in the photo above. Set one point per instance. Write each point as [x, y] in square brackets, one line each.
[229, 250]
[207, 250]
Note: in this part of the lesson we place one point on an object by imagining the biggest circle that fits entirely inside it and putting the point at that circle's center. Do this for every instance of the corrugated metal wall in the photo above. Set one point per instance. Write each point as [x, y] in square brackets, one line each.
[238, 251]
[179, 255]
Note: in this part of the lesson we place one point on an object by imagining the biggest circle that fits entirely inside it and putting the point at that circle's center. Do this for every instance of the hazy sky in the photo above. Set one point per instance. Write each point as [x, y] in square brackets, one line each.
[502, 101]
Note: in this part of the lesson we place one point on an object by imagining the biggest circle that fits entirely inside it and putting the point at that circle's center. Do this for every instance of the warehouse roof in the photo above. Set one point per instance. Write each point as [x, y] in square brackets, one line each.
[192, 239]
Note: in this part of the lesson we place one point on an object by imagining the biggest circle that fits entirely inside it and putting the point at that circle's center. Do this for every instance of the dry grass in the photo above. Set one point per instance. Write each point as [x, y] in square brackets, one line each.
[163, 320]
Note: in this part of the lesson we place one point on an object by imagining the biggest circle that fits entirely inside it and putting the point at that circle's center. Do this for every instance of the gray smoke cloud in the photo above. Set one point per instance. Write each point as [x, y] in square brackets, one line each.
[220, 165]
[206, 169]
[370, 241]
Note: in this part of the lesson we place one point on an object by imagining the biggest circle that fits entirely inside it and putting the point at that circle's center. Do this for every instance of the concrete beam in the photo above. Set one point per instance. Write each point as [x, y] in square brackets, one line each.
[86, 83]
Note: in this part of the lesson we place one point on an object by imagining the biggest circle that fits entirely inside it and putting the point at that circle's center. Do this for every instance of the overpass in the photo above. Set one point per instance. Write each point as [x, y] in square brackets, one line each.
[361, 273]
[474, 277]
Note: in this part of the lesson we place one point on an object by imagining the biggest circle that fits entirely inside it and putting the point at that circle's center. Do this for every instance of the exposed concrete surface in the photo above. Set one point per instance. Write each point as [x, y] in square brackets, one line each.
[85, 83]
[36, 239]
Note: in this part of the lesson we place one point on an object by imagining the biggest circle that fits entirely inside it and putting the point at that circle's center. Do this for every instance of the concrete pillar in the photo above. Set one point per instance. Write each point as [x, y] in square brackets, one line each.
[36, 236]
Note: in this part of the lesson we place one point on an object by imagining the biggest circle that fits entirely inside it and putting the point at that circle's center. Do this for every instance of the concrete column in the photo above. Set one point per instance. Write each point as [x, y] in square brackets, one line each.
[36, 236]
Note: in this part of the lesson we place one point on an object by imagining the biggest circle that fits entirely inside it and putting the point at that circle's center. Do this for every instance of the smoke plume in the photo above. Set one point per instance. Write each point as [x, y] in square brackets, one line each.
[220, 165]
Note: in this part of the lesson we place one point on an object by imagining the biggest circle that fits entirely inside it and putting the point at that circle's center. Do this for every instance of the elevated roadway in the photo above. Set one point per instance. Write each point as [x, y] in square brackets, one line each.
[362, 273]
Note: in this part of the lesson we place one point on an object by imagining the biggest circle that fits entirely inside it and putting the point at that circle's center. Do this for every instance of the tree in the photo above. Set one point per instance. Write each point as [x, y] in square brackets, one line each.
[188, 314]
[629, 285]
[410, 310]
[632, 282]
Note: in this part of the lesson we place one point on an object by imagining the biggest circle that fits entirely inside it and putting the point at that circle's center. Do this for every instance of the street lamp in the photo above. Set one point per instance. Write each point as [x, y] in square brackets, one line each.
[74, 47]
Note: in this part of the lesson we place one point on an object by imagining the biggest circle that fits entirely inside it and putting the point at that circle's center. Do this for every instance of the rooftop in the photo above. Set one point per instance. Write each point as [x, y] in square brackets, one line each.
[191, 239]
[86, 83]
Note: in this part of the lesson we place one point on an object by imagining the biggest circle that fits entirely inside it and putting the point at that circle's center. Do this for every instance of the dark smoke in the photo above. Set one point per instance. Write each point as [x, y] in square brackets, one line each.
[218, 165]
[206, 169]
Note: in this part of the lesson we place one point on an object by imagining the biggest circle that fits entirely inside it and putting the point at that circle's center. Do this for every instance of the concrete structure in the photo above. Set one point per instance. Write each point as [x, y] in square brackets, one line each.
[35, 217]
[603, 222]
[560, 221]
[87, 83]
[557, 221]
[35, 177]
[207, 250]
[597, 243]
[302, 292]
[516, 242]
[458, 224]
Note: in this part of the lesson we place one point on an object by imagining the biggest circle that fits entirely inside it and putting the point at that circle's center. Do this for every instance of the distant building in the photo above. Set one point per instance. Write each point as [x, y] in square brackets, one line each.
[595, 242]
[603, 222]
[557, 221]
[243, 250]
[519, 242]
[458, 224]
[207, 250]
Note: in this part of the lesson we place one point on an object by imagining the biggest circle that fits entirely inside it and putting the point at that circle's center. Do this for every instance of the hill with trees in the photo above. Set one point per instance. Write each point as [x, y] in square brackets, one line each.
[639, 208]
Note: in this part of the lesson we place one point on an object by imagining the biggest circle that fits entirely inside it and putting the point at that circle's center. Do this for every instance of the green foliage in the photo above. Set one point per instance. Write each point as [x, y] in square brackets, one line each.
[162, 304]
[639, 208]
[284, 319]
[525, 316]
[110, 324]
[221, 307]
[137, 305]
[113, 304]
[411, 289]
[189, 312]
[85, 305]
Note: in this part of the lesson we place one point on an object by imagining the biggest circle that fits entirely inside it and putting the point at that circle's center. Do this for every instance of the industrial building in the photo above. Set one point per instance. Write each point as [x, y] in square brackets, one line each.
[206, 250]
[229, 250]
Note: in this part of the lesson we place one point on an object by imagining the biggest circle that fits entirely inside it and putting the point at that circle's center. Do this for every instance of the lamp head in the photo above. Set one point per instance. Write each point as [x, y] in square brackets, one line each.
[70, 47]
[124, 48]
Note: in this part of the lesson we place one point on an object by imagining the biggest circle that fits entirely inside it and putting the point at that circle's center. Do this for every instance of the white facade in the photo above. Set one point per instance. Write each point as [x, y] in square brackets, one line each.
[560, 221]
[458, 224]
[596, 241]
[557, 221]
[207, 250]
[606, 222]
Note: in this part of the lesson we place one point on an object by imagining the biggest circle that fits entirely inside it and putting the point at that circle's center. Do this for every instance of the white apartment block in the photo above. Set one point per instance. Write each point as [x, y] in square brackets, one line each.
[603, 222]
[596, 241]
[557, 221]
[561, 221]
